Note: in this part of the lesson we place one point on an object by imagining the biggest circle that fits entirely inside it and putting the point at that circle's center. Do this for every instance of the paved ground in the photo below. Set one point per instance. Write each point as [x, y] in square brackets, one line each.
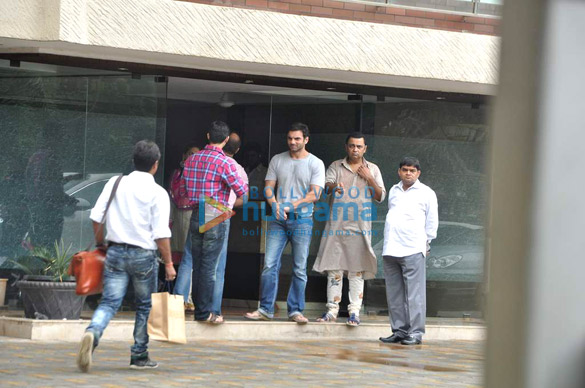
[248, 364]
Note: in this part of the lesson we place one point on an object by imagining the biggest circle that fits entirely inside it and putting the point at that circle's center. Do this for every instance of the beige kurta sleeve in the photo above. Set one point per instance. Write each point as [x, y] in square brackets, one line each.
[379, 181]
[331, 173]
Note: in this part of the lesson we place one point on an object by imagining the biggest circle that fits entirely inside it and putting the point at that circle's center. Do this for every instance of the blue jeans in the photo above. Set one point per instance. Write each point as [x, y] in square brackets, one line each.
[220, 272]
[183, 282]
[298, 232]
[206, 250]
[122, 266]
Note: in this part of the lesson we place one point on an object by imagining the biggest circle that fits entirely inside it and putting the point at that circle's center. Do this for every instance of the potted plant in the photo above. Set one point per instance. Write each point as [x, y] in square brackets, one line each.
[47, 291]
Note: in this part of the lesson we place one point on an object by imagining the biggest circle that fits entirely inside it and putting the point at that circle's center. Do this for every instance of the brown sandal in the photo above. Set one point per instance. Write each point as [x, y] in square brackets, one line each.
[213, 318]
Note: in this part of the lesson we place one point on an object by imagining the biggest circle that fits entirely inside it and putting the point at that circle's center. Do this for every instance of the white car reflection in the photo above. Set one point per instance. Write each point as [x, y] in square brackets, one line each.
[77, 227]
[457, 254]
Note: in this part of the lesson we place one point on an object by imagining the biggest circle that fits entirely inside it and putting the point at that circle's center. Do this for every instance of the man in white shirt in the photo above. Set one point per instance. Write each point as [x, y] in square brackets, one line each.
[137, 224]
[411, 224]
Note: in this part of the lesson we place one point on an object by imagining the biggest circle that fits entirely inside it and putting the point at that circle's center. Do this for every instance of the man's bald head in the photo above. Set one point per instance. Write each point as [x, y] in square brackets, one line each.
[233, 145]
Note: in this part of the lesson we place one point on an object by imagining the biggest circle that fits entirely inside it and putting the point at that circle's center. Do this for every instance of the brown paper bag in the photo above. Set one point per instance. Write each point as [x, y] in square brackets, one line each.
[166, 321]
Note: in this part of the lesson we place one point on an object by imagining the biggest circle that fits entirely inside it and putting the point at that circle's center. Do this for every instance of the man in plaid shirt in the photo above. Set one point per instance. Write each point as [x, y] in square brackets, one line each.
[209, 173]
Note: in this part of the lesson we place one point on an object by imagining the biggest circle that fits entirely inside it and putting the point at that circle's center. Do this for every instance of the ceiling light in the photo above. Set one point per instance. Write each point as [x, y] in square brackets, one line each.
[122, 69]
[330, 88]
[440, 98]
[249, 81]
[224, 102]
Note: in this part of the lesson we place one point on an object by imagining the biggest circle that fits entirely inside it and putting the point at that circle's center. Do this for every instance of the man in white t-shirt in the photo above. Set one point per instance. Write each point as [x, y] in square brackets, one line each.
[137, 224]
[300, 176]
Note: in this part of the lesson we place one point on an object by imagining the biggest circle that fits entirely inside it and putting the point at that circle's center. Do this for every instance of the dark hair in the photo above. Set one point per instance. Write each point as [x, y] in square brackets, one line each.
[189, 146]
[410, 162]
[355, 135]
[300, 127]
[232, 146]
[218, 132]
[146, 153]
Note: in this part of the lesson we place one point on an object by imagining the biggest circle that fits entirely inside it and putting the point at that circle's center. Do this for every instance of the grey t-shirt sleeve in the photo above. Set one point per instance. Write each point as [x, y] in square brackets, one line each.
[272, 166]
[379, 181]
[318, 173]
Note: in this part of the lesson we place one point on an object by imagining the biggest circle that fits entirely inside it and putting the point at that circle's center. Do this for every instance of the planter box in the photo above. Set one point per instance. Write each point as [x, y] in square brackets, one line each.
[50, 300]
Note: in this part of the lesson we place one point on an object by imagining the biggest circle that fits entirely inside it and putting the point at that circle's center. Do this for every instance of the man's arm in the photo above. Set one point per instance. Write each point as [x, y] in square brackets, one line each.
[97, 214]
[432, 220]
[98, 232]
[331, 183]
[233, 179]
[312, 196]
[364, 172]
[270, 194]
[240, 200]
[161, 231]
[164, 247]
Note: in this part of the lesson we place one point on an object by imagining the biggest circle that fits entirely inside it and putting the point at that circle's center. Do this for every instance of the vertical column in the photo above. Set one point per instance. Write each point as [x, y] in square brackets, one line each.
[536, 308]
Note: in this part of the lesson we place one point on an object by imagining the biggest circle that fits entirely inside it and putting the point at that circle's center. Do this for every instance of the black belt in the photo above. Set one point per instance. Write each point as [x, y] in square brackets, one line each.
[124, 245]
[292, 216]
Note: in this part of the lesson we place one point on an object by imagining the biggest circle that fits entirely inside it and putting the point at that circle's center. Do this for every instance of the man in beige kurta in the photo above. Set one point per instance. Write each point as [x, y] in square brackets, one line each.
[346, 243]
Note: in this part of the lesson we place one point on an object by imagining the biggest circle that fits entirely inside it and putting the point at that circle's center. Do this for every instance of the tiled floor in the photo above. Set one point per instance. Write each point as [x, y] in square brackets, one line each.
[253, 364]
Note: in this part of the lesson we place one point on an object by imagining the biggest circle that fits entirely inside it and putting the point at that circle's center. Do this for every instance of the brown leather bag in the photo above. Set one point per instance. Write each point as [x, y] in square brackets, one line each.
[88, 269]
[88, 266]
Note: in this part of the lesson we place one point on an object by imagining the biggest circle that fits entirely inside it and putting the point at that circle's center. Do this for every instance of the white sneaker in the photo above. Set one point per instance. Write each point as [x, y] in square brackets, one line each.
[85, 351]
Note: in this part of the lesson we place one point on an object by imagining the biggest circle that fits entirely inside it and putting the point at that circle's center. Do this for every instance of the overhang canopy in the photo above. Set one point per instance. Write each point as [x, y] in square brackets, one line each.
[187, 35]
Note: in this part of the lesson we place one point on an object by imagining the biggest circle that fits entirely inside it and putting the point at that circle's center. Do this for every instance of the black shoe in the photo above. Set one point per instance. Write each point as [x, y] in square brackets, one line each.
[410, 340]
[393, 339]
[142, 363]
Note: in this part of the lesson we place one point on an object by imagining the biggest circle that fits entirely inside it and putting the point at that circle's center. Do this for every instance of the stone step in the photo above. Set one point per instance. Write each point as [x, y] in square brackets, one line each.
[241, 330]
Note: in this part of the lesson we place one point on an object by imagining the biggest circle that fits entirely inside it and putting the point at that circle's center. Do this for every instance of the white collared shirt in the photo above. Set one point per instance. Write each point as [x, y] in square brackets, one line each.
[412, 220]
[139, 213]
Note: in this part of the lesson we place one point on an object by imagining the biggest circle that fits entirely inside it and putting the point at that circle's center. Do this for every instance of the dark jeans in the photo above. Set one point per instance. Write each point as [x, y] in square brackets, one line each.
[122, 266]
[205, 249]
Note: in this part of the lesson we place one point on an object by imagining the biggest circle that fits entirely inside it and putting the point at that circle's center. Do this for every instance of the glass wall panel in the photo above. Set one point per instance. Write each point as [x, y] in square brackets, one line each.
[449, 140]
[66, 132]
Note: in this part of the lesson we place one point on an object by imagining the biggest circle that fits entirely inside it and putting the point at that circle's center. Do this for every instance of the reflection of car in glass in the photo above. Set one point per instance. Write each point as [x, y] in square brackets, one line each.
[77, 227]
[455, 267]
[456, 254]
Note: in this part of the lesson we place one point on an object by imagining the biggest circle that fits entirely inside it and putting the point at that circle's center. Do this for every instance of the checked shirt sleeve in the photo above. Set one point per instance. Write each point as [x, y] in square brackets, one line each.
[233, 180]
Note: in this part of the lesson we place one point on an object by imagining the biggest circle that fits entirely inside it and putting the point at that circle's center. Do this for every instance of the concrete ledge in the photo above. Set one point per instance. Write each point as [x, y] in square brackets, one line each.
[47, 330]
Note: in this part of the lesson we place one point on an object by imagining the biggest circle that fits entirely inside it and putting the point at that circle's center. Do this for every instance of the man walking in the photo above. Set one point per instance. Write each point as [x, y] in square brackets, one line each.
[411, 224]
[137, 223]
[300, 176]
[209, 176]
[346, 242]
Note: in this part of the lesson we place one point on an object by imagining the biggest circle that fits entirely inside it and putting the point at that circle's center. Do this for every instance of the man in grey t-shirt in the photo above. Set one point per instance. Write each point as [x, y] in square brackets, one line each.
[301, 177]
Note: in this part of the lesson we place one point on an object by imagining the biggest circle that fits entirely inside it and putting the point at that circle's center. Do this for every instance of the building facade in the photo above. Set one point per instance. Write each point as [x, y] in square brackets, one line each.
[82, 81]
